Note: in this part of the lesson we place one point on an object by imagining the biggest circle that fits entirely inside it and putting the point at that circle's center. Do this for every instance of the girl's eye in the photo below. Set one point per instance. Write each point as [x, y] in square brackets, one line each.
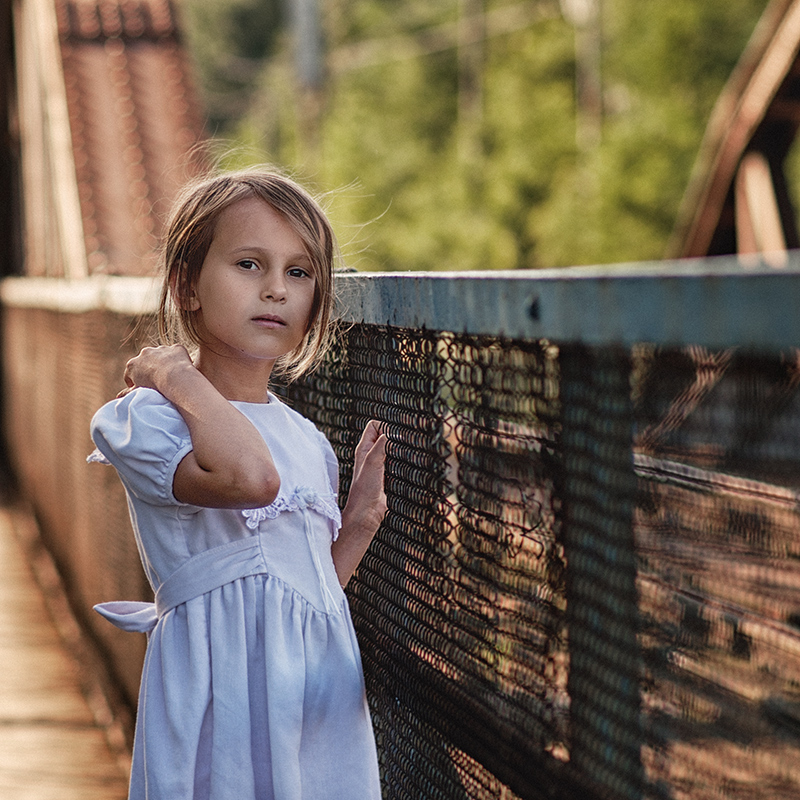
[299, 272]
[247, 264]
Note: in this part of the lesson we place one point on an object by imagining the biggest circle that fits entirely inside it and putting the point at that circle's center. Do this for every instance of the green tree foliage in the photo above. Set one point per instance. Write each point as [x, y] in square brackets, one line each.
[445, 150]
[231, 41]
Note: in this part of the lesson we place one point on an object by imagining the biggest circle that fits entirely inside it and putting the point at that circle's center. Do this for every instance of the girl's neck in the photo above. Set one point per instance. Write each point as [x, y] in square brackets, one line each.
[235, 380]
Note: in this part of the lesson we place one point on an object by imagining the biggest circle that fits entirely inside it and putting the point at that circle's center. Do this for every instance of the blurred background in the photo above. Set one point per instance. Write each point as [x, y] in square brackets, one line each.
[643, 645]
[476, 134]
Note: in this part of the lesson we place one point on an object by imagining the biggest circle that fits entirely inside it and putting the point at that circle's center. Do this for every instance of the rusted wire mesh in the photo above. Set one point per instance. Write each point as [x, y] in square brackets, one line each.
[587, 583]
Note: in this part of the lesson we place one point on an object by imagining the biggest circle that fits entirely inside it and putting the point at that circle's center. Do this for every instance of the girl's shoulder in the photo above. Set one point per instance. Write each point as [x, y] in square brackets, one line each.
[139, 407]
[144, 436]
[293, 413]
[311, 433]
[142, 421]
[305, 424]
[278, 407]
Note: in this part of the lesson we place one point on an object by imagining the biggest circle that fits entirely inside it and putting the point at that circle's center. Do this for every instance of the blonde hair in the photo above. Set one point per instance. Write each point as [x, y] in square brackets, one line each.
[188, 235]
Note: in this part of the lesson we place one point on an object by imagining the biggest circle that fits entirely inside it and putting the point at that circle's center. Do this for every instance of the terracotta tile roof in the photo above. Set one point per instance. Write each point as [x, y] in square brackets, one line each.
[135, 120]
[108, 19]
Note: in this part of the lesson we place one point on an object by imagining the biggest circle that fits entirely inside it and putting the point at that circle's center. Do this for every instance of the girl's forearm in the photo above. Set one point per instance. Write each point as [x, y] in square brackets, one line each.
[230, 464]
[350, 546]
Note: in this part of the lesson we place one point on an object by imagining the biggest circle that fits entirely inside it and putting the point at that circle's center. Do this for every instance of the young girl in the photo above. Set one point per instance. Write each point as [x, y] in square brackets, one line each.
[252, 684]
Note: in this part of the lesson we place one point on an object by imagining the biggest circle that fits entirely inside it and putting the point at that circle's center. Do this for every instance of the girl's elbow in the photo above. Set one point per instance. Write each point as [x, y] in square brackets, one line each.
[234, 486]
[257, 491]
[271, 489]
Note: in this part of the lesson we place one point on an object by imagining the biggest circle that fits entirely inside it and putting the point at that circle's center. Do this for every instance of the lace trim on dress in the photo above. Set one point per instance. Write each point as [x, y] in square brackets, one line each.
[302, 498]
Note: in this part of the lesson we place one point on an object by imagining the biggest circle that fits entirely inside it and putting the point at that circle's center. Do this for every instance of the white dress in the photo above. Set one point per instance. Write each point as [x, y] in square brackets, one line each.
[252, 684]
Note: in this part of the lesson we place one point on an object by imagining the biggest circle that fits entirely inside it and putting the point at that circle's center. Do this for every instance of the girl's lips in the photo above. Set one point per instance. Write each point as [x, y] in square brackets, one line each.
[269, 321]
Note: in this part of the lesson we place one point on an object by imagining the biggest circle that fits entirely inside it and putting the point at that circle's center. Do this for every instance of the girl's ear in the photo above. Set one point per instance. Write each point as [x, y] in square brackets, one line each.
[185, 300]
[192, 301]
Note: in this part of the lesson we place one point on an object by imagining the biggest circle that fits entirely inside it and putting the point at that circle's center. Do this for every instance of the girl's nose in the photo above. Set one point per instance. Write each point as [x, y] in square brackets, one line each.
[274, 288]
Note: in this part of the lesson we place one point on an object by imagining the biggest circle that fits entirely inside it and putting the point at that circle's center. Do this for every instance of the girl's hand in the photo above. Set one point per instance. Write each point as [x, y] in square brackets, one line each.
[366, 503]
[154, 367]
[367, 494]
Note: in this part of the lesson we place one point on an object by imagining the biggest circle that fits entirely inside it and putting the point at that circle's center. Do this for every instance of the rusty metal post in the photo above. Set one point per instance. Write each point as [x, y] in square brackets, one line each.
[599, 488]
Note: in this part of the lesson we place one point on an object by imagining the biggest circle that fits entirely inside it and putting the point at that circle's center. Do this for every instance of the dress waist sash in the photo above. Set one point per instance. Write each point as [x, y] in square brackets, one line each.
[200, 574]
[213, 568]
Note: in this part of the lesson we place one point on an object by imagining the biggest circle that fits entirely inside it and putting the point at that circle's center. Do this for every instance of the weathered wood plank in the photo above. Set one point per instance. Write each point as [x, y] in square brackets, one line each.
[50, 746]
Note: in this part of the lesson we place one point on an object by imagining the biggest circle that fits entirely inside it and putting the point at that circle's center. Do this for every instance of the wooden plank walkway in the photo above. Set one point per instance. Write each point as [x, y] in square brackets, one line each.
[56, 740]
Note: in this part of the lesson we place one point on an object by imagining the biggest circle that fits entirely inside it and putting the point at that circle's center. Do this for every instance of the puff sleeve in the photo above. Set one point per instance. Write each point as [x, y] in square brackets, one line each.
[145, 438]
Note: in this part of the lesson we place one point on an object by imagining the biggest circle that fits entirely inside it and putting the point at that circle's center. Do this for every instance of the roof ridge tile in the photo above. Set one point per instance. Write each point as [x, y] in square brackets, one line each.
[98, 20]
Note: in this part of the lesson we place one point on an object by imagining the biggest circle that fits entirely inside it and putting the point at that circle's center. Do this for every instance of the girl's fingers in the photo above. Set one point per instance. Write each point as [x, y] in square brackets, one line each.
[378, 449]
[375, 457]
[371, 433]
[370, 456]
[373, 466]
[371, 436]
[154, 362]
[377, 426]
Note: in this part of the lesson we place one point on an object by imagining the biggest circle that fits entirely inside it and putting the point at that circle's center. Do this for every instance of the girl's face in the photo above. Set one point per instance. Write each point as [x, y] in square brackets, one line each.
[255, 290]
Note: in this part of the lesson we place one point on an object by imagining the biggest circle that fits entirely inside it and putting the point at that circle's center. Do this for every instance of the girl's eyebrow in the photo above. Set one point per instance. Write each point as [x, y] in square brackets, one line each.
[301, 256]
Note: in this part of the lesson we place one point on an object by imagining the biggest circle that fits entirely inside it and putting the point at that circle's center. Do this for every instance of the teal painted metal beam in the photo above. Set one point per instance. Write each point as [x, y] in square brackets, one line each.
[715, 302]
